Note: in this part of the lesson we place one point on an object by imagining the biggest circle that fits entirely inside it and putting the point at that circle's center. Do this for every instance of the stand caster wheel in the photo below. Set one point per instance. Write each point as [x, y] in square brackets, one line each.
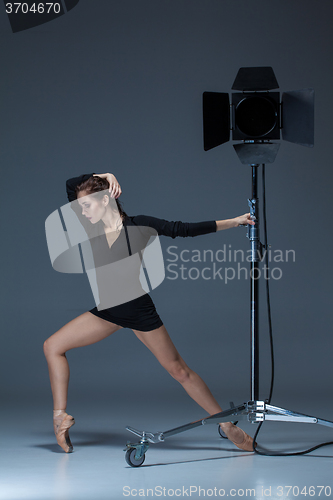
[131, 460]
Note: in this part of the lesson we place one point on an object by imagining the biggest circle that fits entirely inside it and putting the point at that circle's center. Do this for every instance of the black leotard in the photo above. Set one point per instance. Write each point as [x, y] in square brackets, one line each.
[140, 313]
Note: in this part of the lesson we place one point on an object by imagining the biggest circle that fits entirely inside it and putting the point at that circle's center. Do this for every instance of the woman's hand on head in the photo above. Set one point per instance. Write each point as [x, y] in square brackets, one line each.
[243, 220]
[114, 186]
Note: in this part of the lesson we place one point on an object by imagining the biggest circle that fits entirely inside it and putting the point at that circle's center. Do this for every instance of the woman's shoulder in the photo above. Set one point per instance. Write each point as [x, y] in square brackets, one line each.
[140, 220]
[151, 224]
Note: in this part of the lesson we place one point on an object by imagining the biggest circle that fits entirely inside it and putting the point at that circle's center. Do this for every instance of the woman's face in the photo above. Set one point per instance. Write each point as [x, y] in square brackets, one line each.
[92, 208]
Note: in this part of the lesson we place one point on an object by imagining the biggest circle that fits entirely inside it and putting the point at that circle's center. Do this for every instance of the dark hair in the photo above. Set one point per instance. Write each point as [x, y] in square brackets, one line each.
[93, 186]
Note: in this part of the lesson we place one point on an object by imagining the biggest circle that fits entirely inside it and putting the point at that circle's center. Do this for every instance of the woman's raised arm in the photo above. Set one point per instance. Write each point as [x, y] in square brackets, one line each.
[114, 189]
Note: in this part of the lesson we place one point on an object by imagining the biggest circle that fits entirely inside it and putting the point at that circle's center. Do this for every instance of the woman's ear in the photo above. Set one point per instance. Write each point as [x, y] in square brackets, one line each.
[106, 200]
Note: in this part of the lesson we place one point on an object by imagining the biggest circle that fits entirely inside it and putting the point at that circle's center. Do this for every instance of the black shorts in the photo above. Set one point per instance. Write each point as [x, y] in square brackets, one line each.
[138, 314]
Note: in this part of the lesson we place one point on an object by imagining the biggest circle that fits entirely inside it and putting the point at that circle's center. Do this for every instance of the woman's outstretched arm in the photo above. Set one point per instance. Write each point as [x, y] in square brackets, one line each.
[242, 220]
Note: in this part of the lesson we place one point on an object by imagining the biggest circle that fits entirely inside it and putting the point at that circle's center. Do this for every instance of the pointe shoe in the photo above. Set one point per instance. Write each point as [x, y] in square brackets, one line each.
[62, 423]
[246, 444]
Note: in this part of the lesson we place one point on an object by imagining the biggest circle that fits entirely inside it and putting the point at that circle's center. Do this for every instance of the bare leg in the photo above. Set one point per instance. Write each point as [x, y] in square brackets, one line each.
[161, 345]
[84, 330]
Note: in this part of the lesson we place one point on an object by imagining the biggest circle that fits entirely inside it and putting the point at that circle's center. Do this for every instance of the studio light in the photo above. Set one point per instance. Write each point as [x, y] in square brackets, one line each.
[256, 116]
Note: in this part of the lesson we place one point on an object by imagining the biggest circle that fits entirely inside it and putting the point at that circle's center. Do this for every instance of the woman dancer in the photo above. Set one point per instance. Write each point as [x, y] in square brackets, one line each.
[138, 314]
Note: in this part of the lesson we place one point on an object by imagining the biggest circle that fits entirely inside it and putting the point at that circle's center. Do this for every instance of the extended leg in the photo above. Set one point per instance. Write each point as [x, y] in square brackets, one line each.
[161, 345]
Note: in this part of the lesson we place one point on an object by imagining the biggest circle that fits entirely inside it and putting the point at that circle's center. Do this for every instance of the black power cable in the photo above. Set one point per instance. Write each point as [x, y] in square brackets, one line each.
[268, 301]
[275, 454]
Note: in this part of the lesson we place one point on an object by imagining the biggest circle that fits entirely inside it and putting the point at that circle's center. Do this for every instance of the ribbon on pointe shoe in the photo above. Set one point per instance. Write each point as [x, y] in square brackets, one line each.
[246, 444]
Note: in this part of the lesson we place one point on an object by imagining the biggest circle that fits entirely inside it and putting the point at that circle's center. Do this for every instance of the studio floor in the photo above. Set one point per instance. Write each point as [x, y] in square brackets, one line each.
[194, 464]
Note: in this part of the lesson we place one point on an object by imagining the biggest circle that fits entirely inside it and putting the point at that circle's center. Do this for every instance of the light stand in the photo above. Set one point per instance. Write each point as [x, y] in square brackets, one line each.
[254, 410]
[253, 235]
[256, 130]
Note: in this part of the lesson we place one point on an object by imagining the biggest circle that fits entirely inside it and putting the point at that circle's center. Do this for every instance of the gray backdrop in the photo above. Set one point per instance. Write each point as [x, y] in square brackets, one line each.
[116, 87]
